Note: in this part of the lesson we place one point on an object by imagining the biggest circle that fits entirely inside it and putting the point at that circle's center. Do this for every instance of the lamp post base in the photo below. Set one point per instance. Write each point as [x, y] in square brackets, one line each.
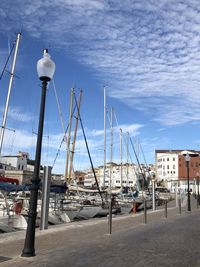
[28, 253]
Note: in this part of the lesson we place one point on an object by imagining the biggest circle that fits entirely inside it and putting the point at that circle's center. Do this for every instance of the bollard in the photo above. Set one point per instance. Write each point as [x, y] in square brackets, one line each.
[110, 217]
[45, 198]
[145, 212]
[179, 205]
[165, 208]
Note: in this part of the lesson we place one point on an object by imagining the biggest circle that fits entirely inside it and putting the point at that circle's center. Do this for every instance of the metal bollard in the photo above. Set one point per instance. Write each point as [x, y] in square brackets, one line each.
[179, 205]
[45, 198]
[110, 217]
[145, 212]
[165, 208]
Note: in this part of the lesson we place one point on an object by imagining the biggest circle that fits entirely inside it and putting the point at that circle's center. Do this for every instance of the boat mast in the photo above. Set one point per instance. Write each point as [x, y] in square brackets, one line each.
[9, 91]
[111, 144]
[121, 172]
[69, 135]
[127, 155]
[75, 133]
[104, 164]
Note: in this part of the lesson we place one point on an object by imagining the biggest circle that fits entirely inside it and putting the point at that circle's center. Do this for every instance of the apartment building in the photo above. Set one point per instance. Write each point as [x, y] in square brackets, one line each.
[171, 168]
[129, 177]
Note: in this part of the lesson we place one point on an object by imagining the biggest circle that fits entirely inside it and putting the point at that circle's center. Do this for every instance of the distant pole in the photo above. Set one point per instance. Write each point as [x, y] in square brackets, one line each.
[187, 158]
[121, 170]
[197, 190]
[110, 187]
[176, 193]
[153, 195]
[104, 163]
[127, 156]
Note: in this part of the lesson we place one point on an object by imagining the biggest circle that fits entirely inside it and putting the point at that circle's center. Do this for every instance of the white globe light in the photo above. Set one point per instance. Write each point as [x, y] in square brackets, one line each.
[45, 67]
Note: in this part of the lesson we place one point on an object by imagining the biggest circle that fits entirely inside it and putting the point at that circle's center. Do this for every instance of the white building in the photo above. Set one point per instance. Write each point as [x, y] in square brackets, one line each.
[19, 162]
[166, 165]
[171, 168]
[113, 173]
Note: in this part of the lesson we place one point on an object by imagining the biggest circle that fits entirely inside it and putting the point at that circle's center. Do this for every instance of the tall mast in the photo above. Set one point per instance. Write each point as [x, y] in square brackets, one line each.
[127, 155]
[111, 144]
[75, 132]
[121, 172]
[69, 134]
[9, 91]
[104, 164]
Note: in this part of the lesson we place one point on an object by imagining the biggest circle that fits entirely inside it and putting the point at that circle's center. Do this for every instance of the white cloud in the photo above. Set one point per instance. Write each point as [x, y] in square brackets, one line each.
[150, 48]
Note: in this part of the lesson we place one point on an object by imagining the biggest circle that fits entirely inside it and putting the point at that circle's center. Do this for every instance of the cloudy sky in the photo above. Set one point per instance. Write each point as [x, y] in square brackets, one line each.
[146, 53]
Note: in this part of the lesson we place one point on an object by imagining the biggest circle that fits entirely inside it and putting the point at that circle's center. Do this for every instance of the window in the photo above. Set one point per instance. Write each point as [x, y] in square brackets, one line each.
[174, 167]
[167, 159]
[173, 159]
[168, 167]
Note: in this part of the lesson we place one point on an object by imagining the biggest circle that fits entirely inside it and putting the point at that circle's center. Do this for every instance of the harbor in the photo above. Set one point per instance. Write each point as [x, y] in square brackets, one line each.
[159, 242]
[99, 133]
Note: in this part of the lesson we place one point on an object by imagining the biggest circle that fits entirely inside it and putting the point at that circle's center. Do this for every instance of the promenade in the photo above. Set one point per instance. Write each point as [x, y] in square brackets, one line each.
[171, 241]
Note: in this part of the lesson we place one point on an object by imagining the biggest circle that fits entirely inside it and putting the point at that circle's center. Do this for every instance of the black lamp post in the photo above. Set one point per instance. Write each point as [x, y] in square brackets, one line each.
[187, 159]
[45, 69]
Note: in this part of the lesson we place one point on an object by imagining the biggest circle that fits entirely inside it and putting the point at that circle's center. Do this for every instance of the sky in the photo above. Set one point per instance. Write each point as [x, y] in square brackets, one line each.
[146, 54]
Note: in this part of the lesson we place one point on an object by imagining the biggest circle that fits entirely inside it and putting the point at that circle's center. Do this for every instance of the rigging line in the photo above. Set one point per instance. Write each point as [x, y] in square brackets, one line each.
[136, 157]
[63, 140]
[88, 148]
[4, 68]
[144, 159]
[136, 174]
[138, 162]
[59, 109]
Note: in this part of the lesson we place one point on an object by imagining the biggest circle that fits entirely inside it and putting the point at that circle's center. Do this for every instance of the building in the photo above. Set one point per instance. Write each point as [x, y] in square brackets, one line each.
[130, 177]
[171, 168]
[18, 162]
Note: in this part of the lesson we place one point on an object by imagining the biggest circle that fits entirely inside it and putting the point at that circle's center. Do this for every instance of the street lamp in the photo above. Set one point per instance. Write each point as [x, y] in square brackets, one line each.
[45, 69]
[187, 159]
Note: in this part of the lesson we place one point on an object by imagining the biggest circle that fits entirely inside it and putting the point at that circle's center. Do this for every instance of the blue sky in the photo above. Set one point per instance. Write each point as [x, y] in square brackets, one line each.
[147, 53]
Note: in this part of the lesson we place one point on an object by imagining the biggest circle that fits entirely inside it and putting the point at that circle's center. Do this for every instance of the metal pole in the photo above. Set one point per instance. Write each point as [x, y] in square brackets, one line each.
[165, 208]
[67, 178]
[104, 164]
[9, 92]
[153, 196]
[29, 245]
[179, 205]
[110, 187]
[121, 171]
[45, 198]
[75, 133]
[110, 216]
[176, 192]
[188, 185]
[145, 212]
[197, 191]
[127, 156]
